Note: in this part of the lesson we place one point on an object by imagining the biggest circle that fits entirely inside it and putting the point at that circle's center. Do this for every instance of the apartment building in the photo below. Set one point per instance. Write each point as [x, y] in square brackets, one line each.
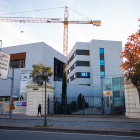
[89, 61]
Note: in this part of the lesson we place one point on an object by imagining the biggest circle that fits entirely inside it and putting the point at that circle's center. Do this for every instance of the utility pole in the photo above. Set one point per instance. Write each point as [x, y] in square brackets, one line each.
[12, 85]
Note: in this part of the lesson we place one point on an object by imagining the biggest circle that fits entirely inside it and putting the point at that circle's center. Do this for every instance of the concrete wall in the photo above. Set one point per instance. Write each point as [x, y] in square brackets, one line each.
[132, 101]
[73, 90]
[35, 53]
[36, 96]
[112, 61]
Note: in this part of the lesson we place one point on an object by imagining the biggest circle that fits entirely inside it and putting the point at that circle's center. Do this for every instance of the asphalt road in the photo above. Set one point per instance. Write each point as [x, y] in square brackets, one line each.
[31, 135]
[134, 125]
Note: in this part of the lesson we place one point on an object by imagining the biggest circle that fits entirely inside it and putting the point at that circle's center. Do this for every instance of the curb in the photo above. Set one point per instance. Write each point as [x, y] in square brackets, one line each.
[117, 133]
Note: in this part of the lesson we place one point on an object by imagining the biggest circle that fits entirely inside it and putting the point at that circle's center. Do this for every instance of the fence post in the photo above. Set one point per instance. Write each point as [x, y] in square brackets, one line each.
[113, 106]
[123, 105]
[83, 104]
[48, 105]
[56, 105]
[65, 106]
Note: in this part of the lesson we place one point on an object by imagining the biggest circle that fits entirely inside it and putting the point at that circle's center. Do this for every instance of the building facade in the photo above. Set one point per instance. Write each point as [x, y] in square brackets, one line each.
[88, 62]
[22, 58]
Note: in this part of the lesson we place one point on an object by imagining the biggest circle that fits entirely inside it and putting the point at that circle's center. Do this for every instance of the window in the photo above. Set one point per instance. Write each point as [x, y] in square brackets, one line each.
[101, 50]
[102, 74]
[85, 84]
[74, 54]
[69, 70]
[101, 62]
[106, 84]
[83, 74]
[58, 70]
[18, 63]
[74, 76]
[82, 52]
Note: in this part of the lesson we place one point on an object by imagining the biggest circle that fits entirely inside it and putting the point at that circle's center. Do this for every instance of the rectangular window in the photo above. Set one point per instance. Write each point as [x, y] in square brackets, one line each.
[101, 50]
[83, 74]
[102, 74]
[101, 62]
[18, 63]
[82, 52]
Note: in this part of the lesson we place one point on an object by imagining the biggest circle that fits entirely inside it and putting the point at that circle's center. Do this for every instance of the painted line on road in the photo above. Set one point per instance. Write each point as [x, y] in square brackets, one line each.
[72, 133]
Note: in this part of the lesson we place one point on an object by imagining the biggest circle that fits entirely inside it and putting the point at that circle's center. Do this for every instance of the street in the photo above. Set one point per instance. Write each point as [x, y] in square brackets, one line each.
[63, 122]
[30, 135]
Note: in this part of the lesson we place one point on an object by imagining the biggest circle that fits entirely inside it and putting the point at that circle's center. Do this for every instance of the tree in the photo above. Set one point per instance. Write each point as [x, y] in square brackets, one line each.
[131, 65]
[81, 102]
[40, 74]
[64, 86]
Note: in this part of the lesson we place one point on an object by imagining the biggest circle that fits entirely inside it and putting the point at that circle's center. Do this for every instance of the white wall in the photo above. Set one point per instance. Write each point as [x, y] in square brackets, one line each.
[73, 90]
[35, 53]
[132, 100]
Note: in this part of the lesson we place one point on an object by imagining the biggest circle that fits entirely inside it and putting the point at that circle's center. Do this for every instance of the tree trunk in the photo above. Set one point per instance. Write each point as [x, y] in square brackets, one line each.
[45, 123]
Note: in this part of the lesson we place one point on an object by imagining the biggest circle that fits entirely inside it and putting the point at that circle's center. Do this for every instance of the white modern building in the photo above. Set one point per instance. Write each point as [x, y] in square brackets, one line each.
[22, 58]
[89, 61]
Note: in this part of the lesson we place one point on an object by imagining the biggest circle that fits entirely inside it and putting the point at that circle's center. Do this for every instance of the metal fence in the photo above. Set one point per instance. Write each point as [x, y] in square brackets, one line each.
[89, 105]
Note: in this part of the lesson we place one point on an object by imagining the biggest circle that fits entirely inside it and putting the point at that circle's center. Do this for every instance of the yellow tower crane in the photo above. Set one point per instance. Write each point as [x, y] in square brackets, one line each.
[52, 20]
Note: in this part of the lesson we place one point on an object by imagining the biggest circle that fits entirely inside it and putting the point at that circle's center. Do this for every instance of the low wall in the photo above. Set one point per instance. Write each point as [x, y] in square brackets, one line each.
[132, 102]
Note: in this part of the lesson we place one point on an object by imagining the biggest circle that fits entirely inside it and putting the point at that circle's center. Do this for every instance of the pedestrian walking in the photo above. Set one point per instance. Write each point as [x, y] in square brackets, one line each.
[39, 110]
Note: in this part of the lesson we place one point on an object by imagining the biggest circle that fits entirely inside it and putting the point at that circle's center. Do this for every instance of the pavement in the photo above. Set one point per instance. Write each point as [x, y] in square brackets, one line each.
[105, 125]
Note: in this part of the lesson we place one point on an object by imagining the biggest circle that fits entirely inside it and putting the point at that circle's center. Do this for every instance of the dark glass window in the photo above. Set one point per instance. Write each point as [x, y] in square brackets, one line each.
[82, 52]
[102, 68]
[20, 63]
[83, 63]
[102, 50]
[58, 70]
[85, 84]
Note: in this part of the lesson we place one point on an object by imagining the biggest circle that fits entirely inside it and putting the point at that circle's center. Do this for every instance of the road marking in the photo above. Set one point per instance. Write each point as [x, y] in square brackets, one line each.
[72, 133]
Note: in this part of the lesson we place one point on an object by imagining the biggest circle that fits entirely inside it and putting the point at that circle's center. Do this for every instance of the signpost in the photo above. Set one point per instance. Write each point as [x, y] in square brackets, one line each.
[4, 65]
[15, 92]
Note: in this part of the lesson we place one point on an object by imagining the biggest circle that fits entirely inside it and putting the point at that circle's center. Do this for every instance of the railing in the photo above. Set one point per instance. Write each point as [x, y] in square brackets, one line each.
[85, 106]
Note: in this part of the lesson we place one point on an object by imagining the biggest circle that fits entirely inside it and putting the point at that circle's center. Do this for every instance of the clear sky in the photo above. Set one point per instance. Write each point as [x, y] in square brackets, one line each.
[119, 19]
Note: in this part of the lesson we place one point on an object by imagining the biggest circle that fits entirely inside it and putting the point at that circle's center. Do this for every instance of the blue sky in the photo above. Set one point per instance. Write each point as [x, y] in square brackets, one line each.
[119, 19]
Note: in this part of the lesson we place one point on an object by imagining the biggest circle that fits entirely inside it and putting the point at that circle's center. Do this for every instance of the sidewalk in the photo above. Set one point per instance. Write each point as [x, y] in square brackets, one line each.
[71, 129]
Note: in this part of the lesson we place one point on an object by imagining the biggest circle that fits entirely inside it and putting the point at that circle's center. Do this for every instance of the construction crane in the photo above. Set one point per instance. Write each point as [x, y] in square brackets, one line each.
[52, 20]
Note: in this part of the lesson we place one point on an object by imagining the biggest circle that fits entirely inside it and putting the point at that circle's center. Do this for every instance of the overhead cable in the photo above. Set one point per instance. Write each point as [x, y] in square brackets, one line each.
[32, 11]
